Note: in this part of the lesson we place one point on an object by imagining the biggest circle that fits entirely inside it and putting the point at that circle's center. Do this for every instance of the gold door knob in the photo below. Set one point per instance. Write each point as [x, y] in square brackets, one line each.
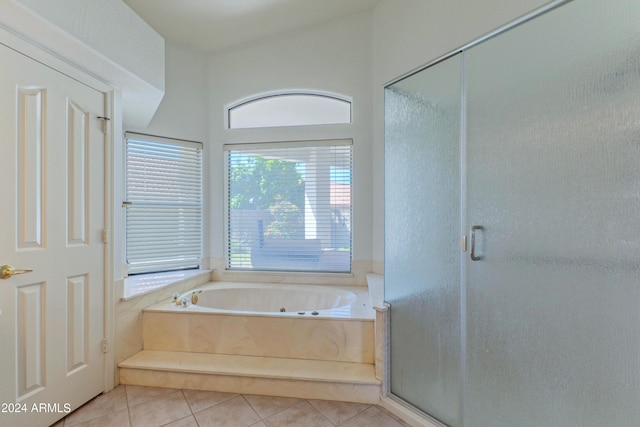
[7, 271]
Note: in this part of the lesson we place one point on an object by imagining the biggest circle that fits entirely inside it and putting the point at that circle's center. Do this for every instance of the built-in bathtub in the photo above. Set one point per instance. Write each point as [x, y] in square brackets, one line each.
[319, 322]
[282, 300]
[235, 338]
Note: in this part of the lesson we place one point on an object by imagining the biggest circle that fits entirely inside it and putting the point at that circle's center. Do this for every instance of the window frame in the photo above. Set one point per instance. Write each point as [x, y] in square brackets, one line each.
[270, 95]
[153, 139]
[276, 145]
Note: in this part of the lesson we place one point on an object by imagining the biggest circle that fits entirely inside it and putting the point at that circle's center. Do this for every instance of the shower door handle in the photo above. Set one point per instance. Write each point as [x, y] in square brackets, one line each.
[472, 253]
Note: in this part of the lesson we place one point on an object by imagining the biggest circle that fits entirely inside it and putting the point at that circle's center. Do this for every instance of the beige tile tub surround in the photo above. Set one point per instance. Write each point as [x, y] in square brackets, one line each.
[329, 356]
[376, 291]
[128, 315]
[136, 406]
[303, 338]
[271, 376]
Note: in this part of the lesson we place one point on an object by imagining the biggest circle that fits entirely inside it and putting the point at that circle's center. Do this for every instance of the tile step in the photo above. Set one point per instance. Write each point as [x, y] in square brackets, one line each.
[253, 366]
[314, 379]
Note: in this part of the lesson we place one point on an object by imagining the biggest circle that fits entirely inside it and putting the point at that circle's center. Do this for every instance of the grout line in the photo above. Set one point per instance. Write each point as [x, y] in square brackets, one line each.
[129, 407]
[261, 418]
[188, 404]
[275, 413]
[126, 399]
[252, 408]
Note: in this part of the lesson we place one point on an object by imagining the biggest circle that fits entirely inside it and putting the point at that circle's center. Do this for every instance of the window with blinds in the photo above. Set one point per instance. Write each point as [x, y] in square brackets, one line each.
[163, 204]
[289, 206]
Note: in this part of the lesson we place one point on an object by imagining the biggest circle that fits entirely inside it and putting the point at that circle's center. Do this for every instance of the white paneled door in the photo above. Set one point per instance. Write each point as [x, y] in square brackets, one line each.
[51, 221]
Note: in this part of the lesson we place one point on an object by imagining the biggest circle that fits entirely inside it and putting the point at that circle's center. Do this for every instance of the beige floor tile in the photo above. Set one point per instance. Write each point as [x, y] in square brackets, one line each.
[189, 421]
[160, 410]
[372, 417]
[118, 418]
[389, 414]
[137, 394]
[301, 415]
[235, 412]
[161, 407]
[199, 400]
[266, 406]
[104, 404]
[338, 412]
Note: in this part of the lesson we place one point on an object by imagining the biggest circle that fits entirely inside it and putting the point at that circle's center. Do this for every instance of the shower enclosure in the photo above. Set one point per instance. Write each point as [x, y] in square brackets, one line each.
[512, 244]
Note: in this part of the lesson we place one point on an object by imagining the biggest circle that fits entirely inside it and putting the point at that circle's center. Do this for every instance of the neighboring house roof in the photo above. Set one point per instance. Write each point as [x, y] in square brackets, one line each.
[340, 194]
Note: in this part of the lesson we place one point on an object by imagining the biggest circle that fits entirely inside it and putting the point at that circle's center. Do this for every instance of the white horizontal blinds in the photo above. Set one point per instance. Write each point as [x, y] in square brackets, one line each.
[289, 206]
[164, 214]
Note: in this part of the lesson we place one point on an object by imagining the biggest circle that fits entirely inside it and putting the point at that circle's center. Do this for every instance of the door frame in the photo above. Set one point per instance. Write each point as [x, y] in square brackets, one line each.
[113, 127]
[393, 403]
[554, 4]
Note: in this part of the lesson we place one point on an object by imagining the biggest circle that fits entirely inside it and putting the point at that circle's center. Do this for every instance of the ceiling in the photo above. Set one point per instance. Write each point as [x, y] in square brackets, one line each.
[216, 25]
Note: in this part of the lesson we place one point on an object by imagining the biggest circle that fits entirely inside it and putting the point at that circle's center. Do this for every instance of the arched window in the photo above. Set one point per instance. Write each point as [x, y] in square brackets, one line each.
[289, 109]
[288, 203]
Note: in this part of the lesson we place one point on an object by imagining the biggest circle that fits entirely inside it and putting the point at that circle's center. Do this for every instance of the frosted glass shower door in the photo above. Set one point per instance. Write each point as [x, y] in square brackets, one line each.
[422, 229]
[553, 303]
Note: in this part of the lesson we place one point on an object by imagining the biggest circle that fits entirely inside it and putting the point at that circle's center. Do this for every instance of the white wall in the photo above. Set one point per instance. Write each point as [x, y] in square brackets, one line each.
[111, 28]
[335, 58]
[348, 57]
[104, 38]
[182, 114]
[183, 111]
[410, 33]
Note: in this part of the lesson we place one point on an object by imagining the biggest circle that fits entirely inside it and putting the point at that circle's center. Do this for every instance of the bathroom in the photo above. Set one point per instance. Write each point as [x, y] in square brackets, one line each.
[185, 92]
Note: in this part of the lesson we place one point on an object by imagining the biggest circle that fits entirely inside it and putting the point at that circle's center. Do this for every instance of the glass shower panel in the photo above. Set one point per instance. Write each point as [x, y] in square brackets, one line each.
[422, 228]
[553, 306]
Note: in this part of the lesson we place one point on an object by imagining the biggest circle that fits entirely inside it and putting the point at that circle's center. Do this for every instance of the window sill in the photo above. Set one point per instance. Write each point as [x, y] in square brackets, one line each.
[295, 277]
[143, 284]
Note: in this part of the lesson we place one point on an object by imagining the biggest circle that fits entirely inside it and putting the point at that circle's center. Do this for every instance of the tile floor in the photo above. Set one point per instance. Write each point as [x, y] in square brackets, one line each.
[137, 406]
